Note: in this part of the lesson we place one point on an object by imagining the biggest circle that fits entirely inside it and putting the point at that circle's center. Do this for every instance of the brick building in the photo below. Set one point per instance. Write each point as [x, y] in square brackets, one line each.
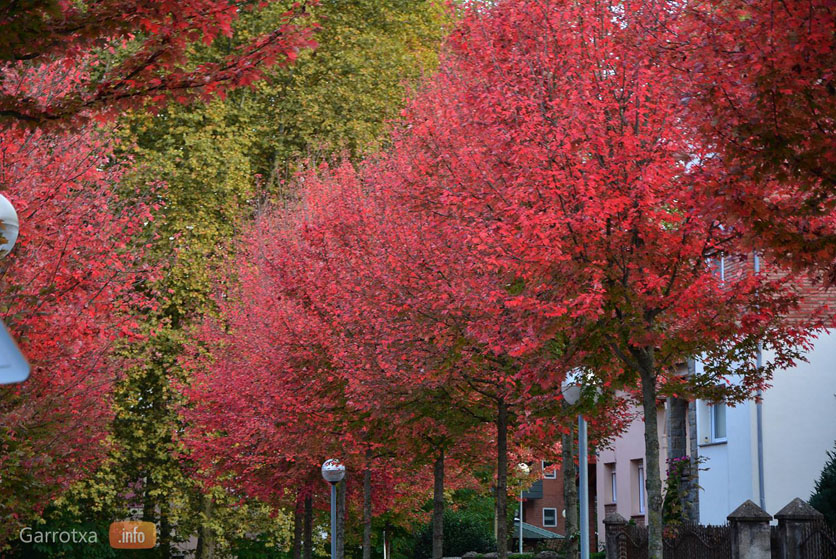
[543, 508]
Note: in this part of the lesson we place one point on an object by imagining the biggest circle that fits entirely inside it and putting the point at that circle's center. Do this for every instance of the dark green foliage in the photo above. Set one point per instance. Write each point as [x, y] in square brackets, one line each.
[258, 548]
[463, 532]
[824, 496]
[680, 479]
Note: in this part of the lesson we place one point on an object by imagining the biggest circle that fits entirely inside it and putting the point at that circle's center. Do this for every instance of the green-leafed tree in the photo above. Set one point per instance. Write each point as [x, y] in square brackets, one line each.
[338, 98]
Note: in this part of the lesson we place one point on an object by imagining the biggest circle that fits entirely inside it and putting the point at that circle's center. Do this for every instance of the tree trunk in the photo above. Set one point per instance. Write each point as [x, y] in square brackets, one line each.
[341, 490]
[570, 493]
[367, 512]
[165, 529]
[653, 481]
[205, 537]
[307, 529]
[297, 528]
[502, 480]
[149, 505]
[693, 488]
[438, 506]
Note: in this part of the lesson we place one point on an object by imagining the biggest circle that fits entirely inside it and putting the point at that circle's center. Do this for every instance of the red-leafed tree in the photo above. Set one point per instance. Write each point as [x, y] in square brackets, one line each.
[131, 52]
[554, 143]
[66, 293]
[272, 400]
[411, 306]
[396, 324]
[758, 79]
[266, 385]
[379, 295]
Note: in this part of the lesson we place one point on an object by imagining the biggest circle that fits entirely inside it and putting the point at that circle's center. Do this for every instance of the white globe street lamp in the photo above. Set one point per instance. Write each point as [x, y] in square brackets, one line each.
[9, 226]
[333, 471]
[571, 389]
[13, 365]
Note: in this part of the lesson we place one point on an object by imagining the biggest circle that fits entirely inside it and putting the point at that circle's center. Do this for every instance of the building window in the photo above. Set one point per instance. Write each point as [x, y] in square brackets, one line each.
[718, 422]
[613, 487]
[548, 471]
[641, 489]
[549, 518]
[711, 422]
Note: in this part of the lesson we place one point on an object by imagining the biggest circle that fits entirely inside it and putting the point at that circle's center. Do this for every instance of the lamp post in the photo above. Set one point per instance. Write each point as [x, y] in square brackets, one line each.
[333, 471]
[523, 467]
[571, 389]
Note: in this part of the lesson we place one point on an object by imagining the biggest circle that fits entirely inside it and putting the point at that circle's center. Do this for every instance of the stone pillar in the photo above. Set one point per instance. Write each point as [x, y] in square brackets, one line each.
[791, 522]
[750, 532]
[694, 451]
[677, 427]
[613, 524]
[677, 419]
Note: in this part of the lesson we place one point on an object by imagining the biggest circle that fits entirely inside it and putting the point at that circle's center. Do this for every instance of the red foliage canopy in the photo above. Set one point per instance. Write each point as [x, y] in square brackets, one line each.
[66, 293]
[131, 52]
[555, 145]
[760, 85]
[551, 201]
[553, 141]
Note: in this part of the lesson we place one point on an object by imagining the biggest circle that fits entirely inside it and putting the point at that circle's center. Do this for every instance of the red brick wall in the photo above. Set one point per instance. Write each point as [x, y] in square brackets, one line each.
[814, 299]
[553, 498]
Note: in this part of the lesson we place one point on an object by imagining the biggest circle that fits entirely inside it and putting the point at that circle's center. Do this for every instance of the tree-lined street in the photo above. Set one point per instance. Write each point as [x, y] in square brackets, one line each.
[256, 236]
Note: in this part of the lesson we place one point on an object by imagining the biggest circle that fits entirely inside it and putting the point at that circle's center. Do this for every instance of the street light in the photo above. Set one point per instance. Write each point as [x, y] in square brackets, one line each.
[571, 389]
[522, 467]
[333, 471]
[13, 365]
[9, 226]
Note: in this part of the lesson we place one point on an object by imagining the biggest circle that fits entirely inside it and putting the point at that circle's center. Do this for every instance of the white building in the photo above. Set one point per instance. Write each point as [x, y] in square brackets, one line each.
[798, 428]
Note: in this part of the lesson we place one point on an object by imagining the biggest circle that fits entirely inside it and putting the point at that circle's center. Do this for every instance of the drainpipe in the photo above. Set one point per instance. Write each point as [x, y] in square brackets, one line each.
[759, 413]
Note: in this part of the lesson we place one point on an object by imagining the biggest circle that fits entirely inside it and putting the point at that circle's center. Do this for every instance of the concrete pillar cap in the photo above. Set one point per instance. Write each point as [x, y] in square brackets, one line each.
[749, 512]
[615, 518]
[798, 510]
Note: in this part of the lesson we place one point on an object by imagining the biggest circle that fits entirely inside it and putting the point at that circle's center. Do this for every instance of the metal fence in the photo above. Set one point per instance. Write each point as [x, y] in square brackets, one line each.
[801, 533]
[818, 541]
[695, 541]
[631, 542]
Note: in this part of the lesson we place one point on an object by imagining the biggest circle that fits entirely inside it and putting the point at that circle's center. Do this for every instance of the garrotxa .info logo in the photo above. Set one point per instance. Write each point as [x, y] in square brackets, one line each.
[133, 535]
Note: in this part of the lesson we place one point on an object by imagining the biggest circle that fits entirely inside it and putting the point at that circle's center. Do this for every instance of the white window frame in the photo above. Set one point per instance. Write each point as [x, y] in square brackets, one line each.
[544, 517]
[712, 432]
[641, 480]
[706, 428]
[613, 487]
[548, 475]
